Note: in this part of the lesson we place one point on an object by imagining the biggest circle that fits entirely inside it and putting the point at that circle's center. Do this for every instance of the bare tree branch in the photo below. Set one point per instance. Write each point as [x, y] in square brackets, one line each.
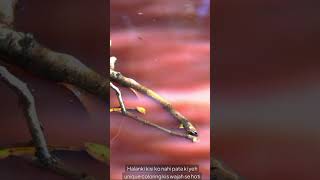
[133, 85]
[22, 50]
[130, 83]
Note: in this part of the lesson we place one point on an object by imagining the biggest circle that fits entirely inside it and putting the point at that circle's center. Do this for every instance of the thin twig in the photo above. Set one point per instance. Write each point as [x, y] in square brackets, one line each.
[144, 121]
[119, 96]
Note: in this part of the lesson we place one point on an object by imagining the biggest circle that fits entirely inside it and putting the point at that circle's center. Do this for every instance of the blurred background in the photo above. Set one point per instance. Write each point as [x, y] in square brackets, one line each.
[266, 88]
[165, 46]
[76, 27]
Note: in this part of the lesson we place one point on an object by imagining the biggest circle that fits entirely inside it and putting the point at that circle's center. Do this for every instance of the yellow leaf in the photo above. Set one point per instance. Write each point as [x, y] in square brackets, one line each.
[19, 151]
[16, 151]
[4, 153]
[115, 109]
[141, 110]
[30, 150]
[98, 151]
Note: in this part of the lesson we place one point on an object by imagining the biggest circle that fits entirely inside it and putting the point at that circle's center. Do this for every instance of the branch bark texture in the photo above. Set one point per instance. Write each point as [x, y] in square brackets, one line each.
[22, 49]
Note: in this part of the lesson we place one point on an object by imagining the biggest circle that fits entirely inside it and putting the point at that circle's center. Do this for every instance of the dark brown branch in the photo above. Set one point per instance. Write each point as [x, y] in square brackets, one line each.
[22, 50]
[130, 83]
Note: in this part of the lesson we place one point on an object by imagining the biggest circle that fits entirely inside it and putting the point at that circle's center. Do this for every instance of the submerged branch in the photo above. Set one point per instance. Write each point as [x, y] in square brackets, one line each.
[30, 112]
[42, 153]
